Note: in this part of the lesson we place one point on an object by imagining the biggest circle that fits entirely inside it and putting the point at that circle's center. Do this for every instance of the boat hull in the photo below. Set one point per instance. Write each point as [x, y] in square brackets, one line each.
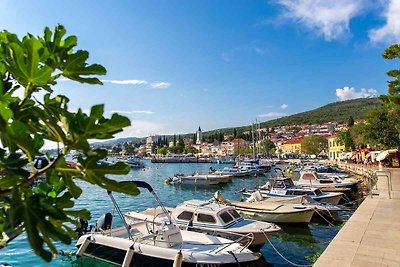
[274, 217]
[114, 250]
[331, 199]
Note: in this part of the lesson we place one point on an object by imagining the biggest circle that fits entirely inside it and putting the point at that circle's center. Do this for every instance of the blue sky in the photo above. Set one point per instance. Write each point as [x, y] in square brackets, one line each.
[174, 65]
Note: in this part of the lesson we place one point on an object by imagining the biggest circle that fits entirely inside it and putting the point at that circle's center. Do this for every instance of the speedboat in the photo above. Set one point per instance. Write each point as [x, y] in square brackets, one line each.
[235, 172]
[134, 163]
[199, 179]
[321, 209]
[142, 243]
[211, 218]
[312, 179]
[331, 172]
[285, 188]
[270, 212]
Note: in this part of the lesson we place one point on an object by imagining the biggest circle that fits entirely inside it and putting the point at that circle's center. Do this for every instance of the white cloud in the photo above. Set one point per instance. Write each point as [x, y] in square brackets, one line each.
[148, 112]
[390, 32]
[272, 115]
[327, 18]
[160, 85]
[347, 93]
[259, 51]
[283, 106]
[127, 82]
[205, 90]
[141, 128]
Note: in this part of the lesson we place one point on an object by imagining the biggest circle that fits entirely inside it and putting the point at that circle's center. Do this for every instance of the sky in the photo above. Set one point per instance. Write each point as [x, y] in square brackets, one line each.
[175, 65]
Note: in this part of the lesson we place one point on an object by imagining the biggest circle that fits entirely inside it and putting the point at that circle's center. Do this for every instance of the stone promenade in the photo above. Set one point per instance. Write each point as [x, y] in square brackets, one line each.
[371, 237]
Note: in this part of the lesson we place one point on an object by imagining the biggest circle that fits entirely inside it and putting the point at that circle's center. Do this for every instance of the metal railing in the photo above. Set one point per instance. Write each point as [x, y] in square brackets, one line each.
[388, 176]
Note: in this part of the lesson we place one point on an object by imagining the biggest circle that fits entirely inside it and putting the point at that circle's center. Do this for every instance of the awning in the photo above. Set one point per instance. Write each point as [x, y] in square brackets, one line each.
[346, 155]
[383, 155]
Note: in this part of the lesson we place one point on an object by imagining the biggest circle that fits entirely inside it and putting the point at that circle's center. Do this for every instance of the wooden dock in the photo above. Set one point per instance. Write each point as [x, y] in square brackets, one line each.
[371, 237]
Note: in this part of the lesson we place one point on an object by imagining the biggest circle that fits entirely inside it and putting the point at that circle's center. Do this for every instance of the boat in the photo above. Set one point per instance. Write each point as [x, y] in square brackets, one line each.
[142, 243]
[251, 168]
[312, 179]
[270, 212]
[324, 210]
[235, 172]
[198, 179]
[211, 218]
[331, 172]
[134, 163]
[284, 187]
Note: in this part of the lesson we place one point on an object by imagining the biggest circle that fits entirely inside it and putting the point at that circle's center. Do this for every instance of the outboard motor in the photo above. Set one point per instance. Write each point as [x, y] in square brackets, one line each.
[84, 228]
[104, 222]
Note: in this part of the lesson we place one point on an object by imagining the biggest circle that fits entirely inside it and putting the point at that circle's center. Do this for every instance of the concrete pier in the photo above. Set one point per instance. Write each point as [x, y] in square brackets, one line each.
[371, 237]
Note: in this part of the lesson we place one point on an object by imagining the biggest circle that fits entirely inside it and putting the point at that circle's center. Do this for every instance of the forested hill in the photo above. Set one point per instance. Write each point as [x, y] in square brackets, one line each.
[337, 111]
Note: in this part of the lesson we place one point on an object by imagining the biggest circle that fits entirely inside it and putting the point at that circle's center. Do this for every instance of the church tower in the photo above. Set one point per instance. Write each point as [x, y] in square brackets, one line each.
[199, 135]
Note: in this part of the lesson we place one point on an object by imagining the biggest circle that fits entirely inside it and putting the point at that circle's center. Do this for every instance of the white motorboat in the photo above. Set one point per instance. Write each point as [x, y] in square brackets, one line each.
[165, 244]
[312, 179]
[235, 172]
[331, 172]
[284, 187]
[252, 168]
[134, 163]
[321, 209]
[271, 212]
[211, 218]
[199, 179]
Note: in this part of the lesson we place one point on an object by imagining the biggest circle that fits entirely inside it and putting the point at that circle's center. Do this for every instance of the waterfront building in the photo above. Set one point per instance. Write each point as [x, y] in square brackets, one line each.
[237, 144]
[149, 143]
[334, 148]
[292, 146]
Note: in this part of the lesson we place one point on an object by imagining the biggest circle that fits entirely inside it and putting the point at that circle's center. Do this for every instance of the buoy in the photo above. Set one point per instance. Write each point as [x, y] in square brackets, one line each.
[128, 257]
[178, 260]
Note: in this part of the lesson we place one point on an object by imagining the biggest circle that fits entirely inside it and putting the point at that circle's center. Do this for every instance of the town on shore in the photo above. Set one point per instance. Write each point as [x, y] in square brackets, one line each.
[315, 141]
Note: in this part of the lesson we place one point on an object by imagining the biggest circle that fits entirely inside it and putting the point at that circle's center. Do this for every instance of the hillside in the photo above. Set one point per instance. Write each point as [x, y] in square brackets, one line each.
[337, 111]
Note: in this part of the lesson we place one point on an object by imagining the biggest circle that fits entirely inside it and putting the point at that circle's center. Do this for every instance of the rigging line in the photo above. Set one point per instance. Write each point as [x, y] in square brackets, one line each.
[283, 257]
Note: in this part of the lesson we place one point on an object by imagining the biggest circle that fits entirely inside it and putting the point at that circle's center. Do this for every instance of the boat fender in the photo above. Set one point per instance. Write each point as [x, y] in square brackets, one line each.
[83, 247]
[128, 257]
[178, 259]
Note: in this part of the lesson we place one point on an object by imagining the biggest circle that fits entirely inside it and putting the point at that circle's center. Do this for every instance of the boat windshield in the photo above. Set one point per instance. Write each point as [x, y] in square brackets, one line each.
[234, 214]
[185, 216]
[288, 182]
[318, 191]
[205, 218]
[226, 217]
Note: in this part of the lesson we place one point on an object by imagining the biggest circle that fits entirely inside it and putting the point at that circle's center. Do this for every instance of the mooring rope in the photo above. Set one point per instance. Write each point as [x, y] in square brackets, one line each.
[283, 257]
[323, 217]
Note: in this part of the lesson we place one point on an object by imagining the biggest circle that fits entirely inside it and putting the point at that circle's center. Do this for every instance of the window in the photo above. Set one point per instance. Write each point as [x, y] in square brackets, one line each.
[205, 218]
[186, 216]
[114, 255]
[234, 213]
[226, 218]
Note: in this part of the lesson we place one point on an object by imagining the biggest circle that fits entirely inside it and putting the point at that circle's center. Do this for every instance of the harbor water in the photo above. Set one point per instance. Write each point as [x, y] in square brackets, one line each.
[300, 244]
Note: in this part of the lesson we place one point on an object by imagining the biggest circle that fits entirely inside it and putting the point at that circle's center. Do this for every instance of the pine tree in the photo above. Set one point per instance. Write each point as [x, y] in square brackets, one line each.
[350, 122]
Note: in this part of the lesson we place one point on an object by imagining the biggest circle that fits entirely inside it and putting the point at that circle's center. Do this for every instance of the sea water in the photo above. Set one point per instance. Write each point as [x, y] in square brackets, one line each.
[297, 243]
